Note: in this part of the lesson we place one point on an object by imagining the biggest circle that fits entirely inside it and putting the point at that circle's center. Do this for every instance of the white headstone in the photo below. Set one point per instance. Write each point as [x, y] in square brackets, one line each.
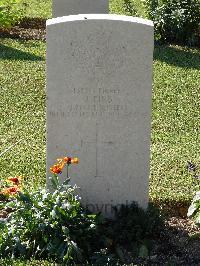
[73, 7]
[99, 87]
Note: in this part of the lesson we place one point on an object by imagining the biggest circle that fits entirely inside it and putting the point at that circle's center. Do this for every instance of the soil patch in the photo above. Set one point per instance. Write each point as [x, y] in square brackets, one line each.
[178, 244]
[27, 29]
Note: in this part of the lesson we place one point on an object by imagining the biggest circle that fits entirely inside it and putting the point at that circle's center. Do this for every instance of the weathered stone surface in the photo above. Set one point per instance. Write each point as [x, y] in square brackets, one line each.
[99, 86]
[73, 7]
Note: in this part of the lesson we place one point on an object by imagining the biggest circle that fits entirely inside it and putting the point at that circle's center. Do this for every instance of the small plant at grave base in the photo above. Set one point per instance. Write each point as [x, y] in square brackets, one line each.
[48, 225]
[55, 226]
[132, 230]
[194, 209]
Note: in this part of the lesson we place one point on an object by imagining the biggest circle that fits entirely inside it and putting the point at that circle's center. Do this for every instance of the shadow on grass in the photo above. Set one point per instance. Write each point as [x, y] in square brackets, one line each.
[178, 57]
[10, 53]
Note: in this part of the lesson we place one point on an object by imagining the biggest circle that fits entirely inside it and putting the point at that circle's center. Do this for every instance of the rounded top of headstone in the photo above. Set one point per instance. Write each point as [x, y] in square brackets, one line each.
[82, 17]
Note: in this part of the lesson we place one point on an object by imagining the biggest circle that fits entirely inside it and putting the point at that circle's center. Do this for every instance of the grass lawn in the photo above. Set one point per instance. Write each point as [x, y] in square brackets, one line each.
[175, 115]
[38, 8]
[22, 75]
[175, 118]
[175, 122]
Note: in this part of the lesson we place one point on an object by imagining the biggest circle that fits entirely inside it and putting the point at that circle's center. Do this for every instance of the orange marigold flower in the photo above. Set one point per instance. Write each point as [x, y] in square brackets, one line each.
[10, 190]
[57, 168]
[15, 180]
[75, 160]
[65, 159]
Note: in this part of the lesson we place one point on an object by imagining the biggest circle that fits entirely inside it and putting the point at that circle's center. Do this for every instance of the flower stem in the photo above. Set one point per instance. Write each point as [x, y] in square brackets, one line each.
[67, 171]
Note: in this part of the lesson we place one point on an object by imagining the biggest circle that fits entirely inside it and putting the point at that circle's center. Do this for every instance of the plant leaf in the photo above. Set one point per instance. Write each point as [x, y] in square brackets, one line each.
[143, 252]
[192, 209]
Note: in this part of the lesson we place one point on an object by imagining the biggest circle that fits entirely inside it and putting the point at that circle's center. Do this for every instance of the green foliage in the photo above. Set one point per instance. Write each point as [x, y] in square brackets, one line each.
[54, 226]
[48, 225]
[135, 223]
[11, 11]
[194, 209]
[132, 228]
[175, 20]
[135, 8]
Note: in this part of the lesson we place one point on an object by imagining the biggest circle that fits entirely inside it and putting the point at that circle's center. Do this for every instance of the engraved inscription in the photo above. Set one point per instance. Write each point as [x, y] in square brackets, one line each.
[99, 91]
[88, 102]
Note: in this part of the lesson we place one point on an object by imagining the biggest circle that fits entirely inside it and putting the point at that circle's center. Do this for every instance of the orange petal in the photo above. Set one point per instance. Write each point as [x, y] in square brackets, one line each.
[57, 168]
[75, 160]
[66, 159]
[15, 180]
[10, 190]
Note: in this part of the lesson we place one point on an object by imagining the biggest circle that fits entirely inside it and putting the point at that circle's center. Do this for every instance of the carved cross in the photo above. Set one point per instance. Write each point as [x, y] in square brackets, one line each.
[96, 141]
